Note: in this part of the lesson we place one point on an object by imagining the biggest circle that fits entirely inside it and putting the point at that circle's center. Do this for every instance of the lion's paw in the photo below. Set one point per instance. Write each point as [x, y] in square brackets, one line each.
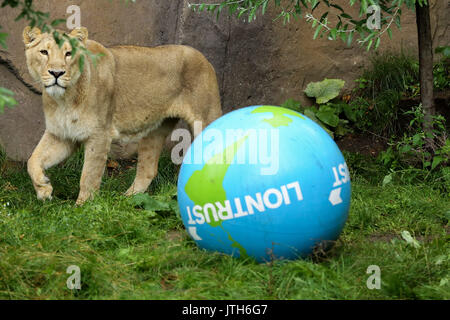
[83, 197]
[44, 192]
[133, 191]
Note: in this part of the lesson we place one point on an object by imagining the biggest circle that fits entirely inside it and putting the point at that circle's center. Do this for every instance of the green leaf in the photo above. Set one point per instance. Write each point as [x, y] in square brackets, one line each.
[363, 7]
[346, 16]
[57, 22]
[316, 34]
[333, 34]
[369, 45]
[327, 115]
[264, 7]
[4, 91]
[445, 50]
[387, 179]
[292, 104]
[389, 31]
[349, 39]
[377, 43]
[349, 112]
[325, 90]
[58, 39]
[337, 7]
[150, 203]
[405, 149]
[417, 139]
[74, 44]
[3, 37]
[311, 114]
[6, 99]
[437, 160]
[81, 63]
[342, 128]
[9, 101]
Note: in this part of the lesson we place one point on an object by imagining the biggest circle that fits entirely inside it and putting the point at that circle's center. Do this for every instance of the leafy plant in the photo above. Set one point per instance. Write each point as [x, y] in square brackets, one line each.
[389, 71]
[325, 90]
[376, 99]
[441, 74]
[357, 110]
[341, 26]
[444, 50]
[328, 110]
[412, 150]
[389, 79]
[3, 37]
[154, 204]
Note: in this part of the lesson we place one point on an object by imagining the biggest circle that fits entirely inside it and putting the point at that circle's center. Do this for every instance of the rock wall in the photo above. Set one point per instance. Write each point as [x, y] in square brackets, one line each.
[264, 62]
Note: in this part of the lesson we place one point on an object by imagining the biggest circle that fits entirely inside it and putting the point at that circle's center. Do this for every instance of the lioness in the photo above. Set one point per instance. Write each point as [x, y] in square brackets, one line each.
[129, 95]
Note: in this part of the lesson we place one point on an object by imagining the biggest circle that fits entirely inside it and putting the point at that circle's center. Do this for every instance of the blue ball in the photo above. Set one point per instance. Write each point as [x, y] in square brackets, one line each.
[264, 182]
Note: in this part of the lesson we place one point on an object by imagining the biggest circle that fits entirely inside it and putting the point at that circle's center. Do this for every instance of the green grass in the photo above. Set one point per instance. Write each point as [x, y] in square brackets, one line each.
[384, 82]
[391, 71]
[129, 253]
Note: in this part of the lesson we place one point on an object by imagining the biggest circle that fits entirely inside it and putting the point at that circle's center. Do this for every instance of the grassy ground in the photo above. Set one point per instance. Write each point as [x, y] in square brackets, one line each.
[129, 253]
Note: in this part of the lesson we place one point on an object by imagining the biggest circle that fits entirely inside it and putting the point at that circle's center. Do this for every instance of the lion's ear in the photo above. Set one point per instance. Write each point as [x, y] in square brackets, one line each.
[29, 35]
[80, 33]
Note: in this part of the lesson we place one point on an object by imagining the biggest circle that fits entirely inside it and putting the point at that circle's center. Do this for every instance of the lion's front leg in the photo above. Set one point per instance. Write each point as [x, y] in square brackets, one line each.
[95, 155]
[50, 151]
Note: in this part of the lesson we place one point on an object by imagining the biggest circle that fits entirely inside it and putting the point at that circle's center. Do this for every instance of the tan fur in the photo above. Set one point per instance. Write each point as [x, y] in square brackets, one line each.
[128, 96]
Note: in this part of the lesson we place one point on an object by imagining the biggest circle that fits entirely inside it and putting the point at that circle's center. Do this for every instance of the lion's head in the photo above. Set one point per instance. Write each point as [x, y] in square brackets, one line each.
[56, 68]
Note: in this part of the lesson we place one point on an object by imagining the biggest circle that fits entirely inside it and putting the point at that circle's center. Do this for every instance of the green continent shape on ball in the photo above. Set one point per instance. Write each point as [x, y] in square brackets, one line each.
[279, 115]
[206, 185]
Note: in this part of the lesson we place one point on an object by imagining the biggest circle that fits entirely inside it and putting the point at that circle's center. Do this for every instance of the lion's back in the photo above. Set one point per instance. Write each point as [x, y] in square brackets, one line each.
[148, 80]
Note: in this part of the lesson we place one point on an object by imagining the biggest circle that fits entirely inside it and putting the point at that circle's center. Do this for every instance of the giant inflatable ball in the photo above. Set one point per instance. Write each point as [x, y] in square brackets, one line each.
[264, 182]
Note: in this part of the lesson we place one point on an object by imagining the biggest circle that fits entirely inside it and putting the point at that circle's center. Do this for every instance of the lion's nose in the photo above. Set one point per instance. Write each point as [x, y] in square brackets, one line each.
[56, 74]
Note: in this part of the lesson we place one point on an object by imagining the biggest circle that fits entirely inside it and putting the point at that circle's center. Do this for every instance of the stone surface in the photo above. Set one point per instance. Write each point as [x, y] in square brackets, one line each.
[264, 62]
[20, 127]
[269, 62]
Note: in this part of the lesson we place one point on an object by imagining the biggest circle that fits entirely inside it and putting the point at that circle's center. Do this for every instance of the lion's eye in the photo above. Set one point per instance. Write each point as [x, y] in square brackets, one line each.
[44, 52]
[68, 54]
